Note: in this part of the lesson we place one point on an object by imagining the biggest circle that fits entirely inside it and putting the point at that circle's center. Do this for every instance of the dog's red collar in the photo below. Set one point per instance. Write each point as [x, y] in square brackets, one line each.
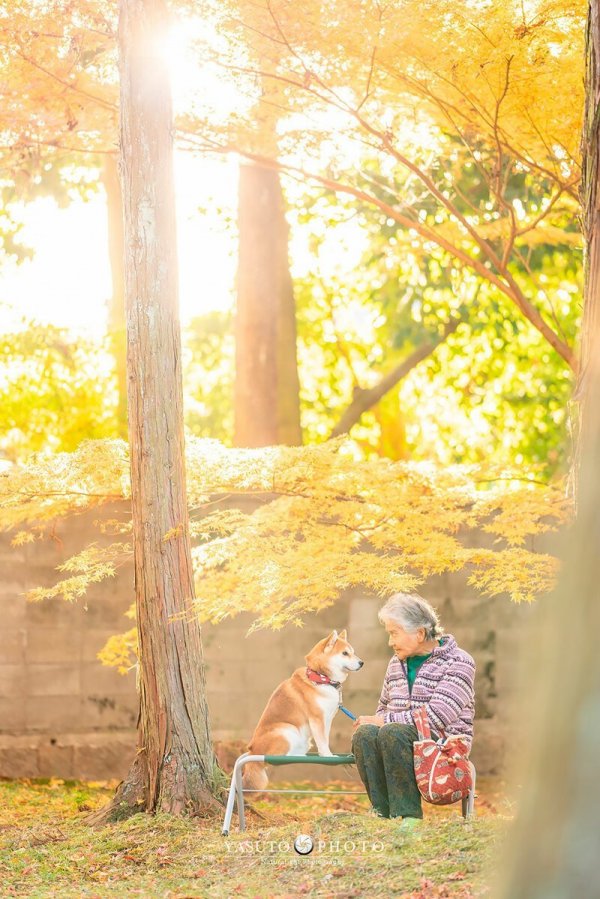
[317, 678]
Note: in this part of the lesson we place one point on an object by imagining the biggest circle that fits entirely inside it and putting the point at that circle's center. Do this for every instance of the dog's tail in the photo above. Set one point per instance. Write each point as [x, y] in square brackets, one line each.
[255, 776]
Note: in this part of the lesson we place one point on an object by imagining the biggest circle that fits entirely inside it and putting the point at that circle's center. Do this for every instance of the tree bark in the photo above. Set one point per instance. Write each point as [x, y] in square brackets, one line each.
[556, 839]
[116, 303]
[266, 401]
[590, 195]
[174, 766]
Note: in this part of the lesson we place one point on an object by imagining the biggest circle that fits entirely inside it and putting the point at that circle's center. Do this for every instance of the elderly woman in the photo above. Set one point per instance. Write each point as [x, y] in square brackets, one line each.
[427, 669]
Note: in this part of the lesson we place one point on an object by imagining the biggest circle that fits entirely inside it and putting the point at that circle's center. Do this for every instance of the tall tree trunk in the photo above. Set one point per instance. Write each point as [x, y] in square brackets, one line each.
[267, 404]
[174, 765]
[590, 193]
[557, 838]
[116, 303]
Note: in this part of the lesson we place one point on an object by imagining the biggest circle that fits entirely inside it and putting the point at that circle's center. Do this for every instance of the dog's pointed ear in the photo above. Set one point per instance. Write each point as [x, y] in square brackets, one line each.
[343, 635]
[331, 641]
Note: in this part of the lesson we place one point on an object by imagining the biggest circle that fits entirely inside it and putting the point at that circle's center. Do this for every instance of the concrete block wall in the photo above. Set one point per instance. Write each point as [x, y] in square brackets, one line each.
[64, 714]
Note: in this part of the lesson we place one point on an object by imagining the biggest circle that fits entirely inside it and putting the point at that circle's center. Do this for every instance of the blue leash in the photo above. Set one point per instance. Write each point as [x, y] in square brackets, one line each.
[346, 712]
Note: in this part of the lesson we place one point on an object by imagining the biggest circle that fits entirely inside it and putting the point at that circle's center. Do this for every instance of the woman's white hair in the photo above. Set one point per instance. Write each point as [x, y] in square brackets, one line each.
[411, 612]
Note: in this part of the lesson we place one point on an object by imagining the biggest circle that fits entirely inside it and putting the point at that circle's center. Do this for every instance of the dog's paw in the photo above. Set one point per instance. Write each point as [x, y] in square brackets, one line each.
[326, 754]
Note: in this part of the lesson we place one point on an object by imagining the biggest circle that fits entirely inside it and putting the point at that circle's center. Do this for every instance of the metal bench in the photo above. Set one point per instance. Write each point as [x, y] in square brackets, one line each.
[236, 790]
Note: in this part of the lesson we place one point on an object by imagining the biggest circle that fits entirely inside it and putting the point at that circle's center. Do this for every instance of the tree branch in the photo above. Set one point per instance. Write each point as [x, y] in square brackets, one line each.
[445, 105]
[498, 272]
[67, 84]
[503, 281]
[364, 399]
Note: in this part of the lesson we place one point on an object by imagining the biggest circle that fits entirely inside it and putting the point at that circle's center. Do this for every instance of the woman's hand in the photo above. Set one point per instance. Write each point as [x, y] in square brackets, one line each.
[377, 720]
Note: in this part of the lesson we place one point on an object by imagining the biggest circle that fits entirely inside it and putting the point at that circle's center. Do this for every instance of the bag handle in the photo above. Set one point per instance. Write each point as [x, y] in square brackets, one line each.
[421, 720]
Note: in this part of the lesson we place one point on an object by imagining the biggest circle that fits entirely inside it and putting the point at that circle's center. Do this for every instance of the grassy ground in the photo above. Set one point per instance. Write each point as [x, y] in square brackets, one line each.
[47, 850]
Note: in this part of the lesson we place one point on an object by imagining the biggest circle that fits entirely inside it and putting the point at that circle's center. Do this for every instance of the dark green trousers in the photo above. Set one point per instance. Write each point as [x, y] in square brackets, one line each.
[384, 758]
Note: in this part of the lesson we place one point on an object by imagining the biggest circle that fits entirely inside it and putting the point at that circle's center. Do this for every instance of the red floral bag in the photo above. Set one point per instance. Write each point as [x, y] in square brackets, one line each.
[442, 768]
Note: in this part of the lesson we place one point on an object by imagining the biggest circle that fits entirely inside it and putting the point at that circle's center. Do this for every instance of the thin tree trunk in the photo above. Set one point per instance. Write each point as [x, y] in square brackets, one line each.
[116, 303]
[267, 405]
[174, 766]
[557, 838]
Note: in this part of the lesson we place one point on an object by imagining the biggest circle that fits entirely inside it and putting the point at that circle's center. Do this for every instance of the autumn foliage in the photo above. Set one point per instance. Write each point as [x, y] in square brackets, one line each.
[447, 128]
[281, 532]
[447, 124]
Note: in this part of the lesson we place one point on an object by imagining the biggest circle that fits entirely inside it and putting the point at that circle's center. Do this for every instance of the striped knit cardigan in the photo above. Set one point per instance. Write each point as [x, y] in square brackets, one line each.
[444, 685]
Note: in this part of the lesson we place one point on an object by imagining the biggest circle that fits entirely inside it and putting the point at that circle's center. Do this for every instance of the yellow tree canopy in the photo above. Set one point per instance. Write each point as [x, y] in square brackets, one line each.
[486, 72]
[460, 108]
[321, 521]
[58, 81]
[460, 123]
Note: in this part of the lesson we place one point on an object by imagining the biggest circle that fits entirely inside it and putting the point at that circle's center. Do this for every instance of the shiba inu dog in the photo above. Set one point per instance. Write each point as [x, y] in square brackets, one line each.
[302, 708]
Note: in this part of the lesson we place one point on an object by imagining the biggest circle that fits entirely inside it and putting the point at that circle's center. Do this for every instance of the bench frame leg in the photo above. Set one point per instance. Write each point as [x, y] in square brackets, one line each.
[236, 793]
[468, 803]
[239, 795]
[231, 797]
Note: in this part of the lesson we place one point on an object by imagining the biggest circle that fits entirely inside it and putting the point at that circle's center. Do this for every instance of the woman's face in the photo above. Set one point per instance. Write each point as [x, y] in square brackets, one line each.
[403, 643]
